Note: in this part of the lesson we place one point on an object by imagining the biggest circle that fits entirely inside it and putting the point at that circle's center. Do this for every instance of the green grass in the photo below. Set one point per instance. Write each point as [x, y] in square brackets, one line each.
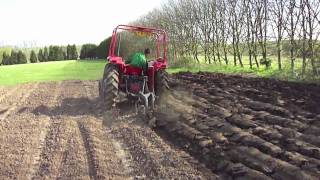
[51, 71]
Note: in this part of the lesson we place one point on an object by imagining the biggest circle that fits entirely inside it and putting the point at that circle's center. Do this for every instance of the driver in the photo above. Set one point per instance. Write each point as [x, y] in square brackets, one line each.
[139, 59]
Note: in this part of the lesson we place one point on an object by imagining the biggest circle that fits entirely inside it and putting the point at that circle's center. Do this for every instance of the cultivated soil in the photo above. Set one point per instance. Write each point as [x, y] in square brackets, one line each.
[209, 126]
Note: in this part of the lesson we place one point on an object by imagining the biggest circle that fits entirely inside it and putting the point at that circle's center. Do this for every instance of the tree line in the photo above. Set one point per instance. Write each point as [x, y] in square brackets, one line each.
[16, 57]
[56, 53]
[224, 31]
[51, 53]
[92, 51]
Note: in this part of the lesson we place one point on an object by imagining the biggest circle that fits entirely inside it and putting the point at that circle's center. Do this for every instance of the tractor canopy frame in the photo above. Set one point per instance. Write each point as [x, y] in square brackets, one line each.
[161, 40]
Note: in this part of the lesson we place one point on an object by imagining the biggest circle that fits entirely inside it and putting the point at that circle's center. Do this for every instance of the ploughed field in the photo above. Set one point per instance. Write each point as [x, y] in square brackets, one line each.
[209, 126]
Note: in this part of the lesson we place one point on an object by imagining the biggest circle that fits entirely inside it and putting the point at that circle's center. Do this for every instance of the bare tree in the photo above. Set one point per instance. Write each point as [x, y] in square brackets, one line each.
[223, 29]
[261, 15]
[294, 15]
[278, 13]
[304, 35]
[236, 17]
[312, 12]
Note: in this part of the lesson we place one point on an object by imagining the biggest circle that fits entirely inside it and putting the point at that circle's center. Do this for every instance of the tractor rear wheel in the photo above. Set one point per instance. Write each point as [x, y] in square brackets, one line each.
[109, 85]
[162, 83]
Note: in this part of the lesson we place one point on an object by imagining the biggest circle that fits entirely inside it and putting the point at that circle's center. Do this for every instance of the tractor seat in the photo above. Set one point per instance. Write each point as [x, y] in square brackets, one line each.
[130, 70]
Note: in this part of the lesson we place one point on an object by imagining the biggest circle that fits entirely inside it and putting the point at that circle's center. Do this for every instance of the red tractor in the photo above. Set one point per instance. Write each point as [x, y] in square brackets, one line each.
[142, 85]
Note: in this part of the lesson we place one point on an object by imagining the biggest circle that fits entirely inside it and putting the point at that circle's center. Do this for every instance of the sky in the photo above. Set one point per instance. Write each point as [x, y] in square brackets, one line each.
[61, 22]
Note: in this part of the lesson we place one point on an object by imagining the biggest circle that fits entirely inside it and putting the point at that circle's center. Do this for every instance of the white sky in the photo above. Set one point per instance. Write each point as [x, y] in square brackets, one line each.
[45, 22]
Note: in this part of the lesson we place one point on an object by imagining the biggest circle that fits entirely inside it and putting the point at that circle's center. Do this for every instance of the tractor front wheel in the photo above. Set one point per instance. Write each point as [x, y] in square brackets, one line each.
[109, 86]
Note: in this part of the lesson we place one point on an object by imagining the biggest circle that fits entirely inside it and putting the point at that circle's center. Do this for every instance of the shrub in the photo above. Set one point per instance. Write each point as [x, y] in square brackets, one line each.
[266, 62]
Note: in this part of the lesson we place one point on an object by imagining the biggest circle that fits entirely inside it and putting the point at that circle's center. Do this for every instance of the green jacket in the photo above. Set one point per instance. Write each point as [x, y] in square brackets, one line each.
[137, 60]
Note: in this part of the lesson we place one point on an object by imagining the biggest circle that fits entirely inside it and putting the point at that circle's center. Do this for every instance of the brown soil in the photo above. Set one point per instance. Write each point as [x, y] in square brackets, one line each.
[210, 126]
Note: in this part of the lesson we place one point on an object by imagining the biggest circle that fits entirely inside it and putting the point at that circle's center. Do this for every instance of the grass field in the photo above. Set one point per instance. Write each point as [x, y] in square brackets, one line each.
[92, 70]
[51, 71]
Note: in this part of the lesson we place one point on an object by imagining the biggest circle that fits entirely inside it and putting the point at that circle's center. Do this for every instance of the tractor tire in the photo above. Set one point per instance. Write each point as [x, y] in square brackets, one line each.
[100, 89]
[161, 83]
[110, 81]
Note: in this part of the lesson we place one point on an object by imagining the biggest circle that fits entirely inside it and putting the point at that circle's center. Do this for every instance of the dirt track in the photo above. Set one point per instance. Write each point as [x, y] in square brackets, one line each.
[211, 126]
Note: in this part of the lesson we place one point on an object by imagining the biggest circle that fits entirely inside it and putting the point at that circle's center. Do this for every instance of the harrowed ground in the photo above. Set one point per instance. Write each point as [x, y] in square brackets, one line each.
[210, 126]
